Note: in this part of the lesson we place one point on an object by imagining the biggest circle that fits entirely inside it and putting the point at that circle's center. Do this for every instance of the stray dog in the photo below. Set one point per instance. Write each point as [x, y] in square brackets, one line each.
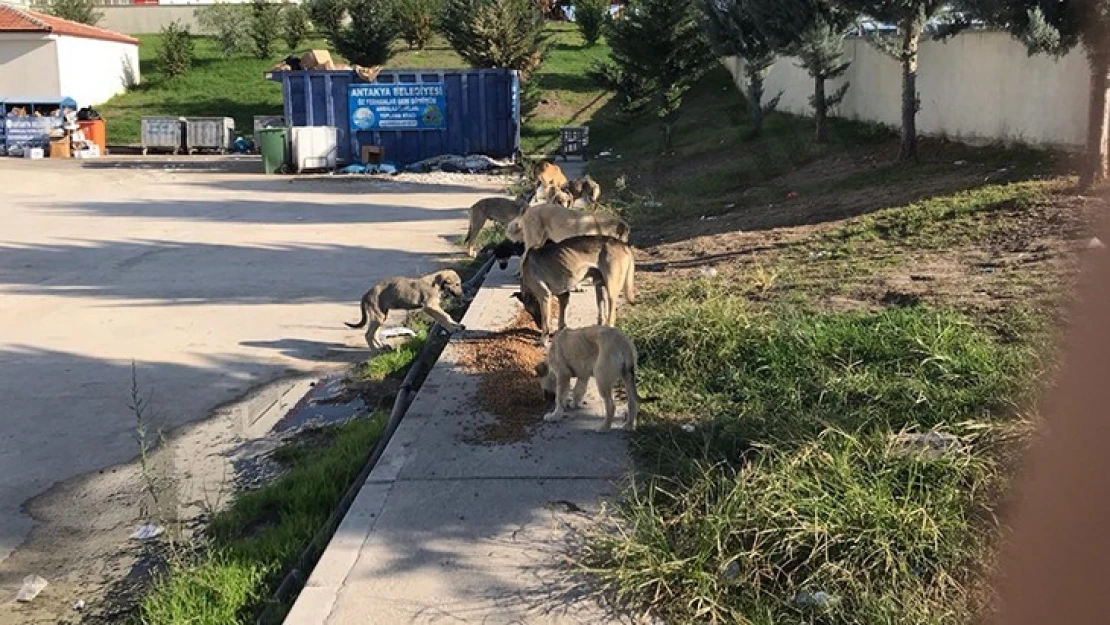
[550, 176]
[561, 197]
[408, 294]
[586, 189]
[603, 353]
[553, 270]
[502, 210]
[551, 222]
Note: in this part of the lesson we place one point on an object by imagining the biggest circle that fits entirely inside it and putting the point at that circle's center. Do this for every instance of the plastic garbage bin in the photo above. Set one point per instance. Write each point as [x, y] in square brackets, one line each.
[96, 132]
[275, 150]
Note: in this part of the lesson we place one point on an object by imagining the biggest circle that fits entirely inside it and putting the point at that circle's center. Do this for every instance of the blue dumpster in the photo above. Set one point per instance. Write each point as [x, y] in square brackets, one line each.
[412, 114]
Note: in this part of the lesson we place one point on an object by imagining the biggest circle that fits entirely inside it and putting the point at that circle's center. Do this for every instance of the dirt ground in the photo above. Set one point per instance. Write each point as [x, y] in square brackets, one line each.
[217, 282]
[770, 240]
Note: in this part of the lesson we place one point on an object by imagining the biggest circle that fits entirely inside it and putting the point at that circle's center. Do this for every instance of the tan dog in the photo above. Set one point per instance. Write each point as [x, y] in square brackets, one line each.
[551, 222]
[605, 354]
[400, 293]
[550, 176]
[552, 271]
[501, 210]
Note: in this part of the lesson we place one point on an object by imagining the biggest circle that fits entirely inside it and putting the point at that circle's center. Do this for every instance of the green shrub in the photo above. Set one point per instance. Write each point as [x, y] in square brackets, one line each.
[175, 52]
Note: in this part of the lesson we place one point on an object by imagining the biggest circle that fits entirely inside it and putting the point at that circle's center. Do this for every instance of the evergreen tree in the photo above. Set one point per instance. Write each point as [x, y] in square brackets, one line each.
[589, 16]
[814, 32]
[229, 24]
[911, 17]
[659, 51]
[368, 39]
[733, 31]
[496, 33]
[265, 26]
[294, 26]
[417, 20]
[327, 16]
[1056, 27]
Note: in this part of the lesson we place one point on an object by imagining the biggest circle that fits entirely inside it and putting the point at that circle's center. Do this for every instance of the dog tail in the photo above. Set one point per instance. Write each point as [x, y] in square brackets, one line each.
[363, 304]
[630, 283]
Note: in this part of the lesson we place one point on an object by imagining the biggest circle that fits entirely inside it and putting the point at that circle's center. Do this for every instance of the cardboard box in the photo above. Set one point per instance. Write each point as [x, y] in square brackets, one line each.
[34, 153]
[372, 154]
[316, 59]
[92, 151]
[59, 148]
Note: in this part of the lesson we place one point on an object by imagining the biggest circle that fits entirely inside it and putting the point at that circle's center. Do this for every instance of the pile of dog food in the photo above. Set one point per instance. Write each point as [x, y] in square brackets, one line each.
[508, 389]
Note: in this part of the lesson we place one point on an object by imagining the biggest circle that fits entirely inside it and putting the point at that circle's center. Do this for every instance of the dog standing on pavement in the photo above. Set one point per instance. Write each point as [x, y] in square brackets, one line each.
[554, 269]
[399, 293]
[551, 222]
[600, 352]
[501, 210]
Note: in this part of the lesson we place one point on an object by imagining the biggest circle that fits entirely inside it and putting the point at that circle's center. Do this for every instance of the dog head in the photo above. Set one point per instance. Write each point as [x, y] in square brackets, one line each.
[531, 305]
[514, 231]
[505, 250]
[547, 381]
[449, 281]
[561, 197]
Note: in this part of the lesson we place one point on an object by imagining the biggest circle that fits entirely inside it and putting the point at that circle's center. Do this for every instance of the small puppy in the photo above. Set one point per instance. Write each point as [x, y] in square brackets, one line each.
[604, 353]
[586, 189]
[399, 293]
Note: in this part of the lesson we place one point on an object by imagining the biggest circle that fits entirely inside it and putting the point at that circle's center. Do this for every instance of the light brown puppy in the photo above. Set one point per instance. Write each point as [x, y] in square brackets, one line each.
[399, 293]
[550, 176]
[551, 222]
[501, 210]
[600, 352]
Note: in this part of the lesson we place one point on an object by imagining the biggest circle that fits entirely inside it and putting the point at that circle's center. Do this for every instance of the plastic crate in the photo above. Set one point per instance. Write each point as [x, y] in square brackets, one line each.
[573, 141]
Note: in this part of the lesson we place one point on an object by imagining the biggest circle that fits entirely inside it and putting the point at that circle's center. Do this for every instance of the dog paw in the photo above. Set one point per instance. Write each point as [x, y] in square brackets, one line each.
[605, 427]
[552, 416]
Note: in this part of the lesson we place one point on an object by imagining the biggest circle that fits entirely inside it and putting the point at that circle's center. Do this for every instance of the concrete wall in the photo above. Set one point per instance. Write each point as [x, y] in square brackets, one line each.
[92, 71]
[146, 19]
[976, 87]
[28, 67]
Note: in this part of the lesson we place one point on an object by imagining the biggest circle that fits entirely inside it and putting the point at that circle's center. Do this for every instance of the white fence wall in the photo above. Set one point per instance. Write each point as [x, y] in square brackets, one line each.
[144, 19]
[976, 87]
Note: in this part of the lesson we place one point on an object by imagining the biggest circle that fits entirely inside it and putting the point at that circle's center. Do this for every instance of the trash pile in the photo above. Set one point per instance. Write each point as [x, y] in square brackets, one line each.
[453, 163]
[320, 60]
[70, 141]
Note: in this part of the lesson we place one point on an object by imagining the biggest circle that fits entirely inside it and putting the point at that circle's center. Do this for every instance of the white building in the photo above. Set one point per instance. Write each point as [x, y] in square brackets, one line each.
[44, 58]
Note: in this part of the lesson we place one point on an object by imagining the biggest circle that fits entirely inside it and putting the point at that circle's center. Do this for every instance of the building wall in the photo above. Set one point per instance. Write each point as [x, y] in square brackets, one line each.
[28, 67]
[976, 87]
[147, 19]
[92, 71]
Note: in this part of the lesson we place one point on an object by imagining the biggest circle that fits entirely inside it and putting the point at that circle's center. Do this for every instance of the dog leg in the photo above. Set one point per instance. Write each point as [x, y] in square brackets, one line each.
[601, 294]
[561, 384]
[579, 393]
[610, 407]
[443, 319]
[564, 303]
[545, 318]
[373, 334]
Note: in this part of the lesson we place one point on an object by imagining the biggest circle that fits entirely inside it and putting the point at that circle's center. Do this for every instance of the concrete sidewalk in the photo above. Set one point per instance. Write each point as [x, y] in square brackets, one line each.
[444, 531]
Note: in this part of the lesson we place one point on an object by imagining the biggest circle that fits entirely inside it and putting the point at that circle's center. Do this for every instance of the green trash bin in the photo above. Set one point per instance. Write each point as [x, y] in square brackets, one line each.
[275, 150]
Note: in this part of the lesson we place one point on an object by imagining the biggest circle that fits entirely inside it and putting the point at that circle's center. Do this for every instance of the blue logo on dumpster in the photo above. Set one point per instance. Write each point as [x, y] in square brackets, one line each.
[405, 106]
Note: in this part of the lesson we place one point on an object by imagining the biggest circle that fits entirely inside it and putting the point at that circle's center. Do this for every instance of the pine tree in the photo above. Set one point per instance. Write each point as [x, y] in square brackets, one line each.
[294, 26]
[265, 26]
[1056, 27]
[814, 32]
[659, 51]
[496, 33]
[589, 16]
[327, 16]
[910, 16]
[368, 39]
[733, 31]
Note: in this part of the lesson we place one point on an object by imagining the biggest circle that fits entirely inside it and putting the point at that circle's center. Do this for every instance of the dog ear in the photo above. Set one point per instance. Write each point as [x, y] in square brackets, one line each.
[518, 296]
[542, 369]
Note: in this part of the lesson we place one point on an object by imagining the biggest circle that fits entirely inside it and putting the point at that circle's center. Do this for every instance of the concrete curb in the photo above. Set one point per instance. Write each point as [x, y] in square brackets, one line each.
[405, 395]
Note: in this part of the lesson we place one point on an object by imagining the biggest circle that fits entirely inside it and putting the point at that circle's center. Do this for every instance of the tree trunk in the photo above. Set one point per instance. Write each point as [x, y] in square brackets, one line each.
[820, 109]
[1094, 161]
[667, 128]
[911, 36]
[755, 102]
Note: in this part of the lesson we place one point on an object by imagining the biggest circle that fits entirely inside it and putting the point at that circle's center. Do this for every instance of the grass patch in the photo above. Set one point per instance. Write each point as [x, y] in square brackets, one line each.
[787, 483]
[220, 87]
[252, 544]
[569, 96]
[397, 361]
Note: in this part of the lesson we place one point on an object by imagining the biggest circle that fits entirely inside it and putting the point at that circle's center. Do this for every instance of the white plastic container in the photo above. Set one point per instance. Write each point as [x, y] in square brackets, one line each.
[35, 153]
[314, 147]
